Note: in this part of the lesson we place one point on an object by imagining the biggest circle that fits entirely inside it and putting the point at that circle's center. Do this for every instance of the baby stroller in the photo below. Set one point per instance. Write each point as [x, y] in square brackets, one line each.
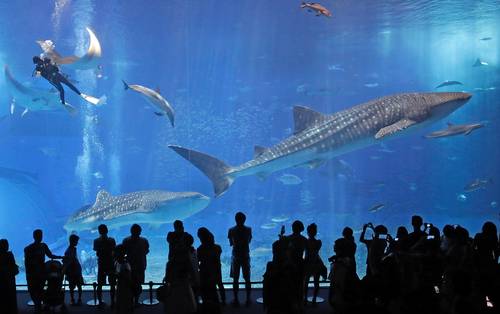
[54, 290]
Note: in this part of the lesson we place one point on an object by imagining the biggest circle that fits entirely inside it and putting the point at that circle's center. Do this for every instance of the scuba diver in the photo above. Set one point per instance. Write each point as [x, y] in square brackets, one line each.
[48, 70]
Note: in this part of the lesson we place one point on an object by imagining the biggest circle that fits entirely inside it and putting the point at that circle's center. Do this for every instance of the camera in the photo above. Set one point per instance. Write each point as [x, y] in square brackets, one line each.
[382, 236]
[430, 237]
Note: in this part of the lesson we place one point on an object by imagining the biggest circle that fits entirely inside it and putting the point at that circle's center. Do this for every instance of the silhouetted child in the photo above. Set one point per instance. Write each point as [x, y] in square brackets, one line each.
[73, 270]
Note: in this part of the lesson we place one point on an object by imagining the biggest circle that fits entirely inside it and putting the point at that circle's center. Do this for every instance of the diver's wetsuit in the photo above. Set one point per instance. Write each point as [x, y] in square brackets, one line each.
[51, 73]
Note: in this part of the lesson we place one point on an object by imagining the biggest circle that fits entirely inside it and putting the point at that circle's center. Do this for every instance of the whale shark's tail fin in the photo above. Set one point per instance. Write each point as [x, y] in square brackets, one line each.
[215, 169]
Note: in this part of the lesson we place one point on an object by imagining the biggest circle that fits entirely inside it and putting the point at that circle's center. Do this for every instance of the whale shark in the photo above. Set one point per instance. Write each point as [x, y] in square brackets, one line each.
[33, 98]
[88, 61]
[455, 129]
[154, 207]
[318, 137]
[154, 98]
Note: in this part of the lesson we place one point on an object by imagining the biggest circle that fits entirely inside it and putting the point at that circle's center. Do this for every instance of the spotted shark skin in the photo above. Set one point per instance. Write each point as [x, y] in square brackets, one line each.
[153, 207]
[320, 137]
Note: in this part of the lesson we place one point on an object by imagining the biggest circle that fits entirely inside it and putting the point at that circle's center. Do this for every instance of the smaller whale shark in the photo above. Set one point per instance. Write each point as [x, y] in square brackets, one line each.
[455, 129]
[88, 61]
[449, 83]
[153, 207]
[154, 98]
[33, 98]
[477, 184]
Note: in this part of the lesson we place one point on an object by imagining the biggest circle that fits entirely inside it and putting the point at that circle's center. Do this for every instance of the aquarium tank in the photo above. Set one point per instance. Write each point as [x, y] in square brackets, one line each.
[195, 110]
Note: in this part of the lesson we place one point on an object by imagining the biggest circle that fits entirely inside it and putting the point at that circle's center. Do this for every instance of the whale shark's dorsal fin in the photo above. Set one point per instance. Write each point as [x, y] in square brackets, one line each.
[258, 150]
[305, 117]
[102, 196]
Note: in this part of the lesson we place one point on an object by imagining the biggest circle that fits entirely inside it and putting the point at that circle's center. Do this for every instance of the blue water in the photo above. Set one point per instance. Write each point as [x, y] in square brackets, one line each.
[233, 70]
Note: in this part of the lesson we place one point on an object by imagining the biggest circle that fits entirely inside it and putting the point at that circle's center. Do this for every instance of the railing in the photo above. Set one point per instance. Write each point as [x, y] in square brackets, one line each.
[153, 301]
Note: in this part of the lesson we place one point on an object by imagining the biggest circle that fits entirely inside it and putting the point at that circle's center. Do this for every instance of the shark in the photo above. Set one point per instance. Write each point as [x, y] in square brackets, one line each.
[449, 83]
[319, 137]
[154, 207]
[455, 129]
[33, 98]
[88, 61]
[154, 97]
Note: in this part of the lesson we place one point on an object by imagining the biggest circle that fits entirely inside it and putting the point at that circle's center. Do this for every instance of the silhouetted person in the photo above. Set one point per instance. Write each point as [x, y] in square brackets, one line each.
[417, 234]
[124, 303]
[297, 243]
[136, 248]
[447, 238]
[314, 266]
[351, 246]
[486, 253]
[375, 246]
[239, 238]
[278, 291]
[73, 270]
[178, 246]
[104, 248]
[209, 265]
[400, 243]
[8, 272]
[344, 282]
[34, 261]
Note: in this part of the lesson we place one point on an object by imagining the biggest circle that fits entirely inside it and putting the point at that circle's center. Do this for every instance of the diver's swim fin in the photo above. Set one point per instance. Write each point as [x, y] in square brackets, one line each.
[93, 100]
[71, 110]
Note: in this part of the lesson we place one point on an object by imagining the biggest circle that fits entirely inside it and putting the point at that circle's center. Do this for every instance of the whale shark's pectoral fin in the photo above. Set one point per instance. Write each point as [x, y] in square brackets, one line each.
[305, 117]
[468, 131]
[158, 113]
[258, 150]
[24, 112]
[394, 128]
[315, 163]
[262, 176]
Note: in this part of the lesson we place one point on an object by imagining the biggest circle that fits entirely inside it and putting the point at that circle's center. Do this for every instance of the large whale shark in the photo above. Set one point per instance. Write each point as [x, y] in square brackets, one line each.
[153, 207]
[320, 137]
[88, 61]
[33, 98]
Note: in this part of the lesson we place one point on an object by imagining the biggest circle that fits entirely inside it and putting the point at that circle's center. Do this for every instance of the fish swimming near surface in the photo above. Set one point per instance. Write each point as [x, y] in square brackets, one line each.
[479, 63]
[88, 61]
[478, 184]
[486, 38]
[318, 8]
[376, 208]
[154, 98]
[154, 207]
[318, 137]
[455, 129]
[449, 83]
[33, 98]
[290, 179]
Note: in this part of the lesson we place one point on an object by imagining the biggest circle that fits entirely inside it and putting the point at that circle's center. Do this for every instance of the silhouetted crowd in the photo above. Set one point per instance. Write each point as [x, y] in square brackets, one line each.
[422, 271]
